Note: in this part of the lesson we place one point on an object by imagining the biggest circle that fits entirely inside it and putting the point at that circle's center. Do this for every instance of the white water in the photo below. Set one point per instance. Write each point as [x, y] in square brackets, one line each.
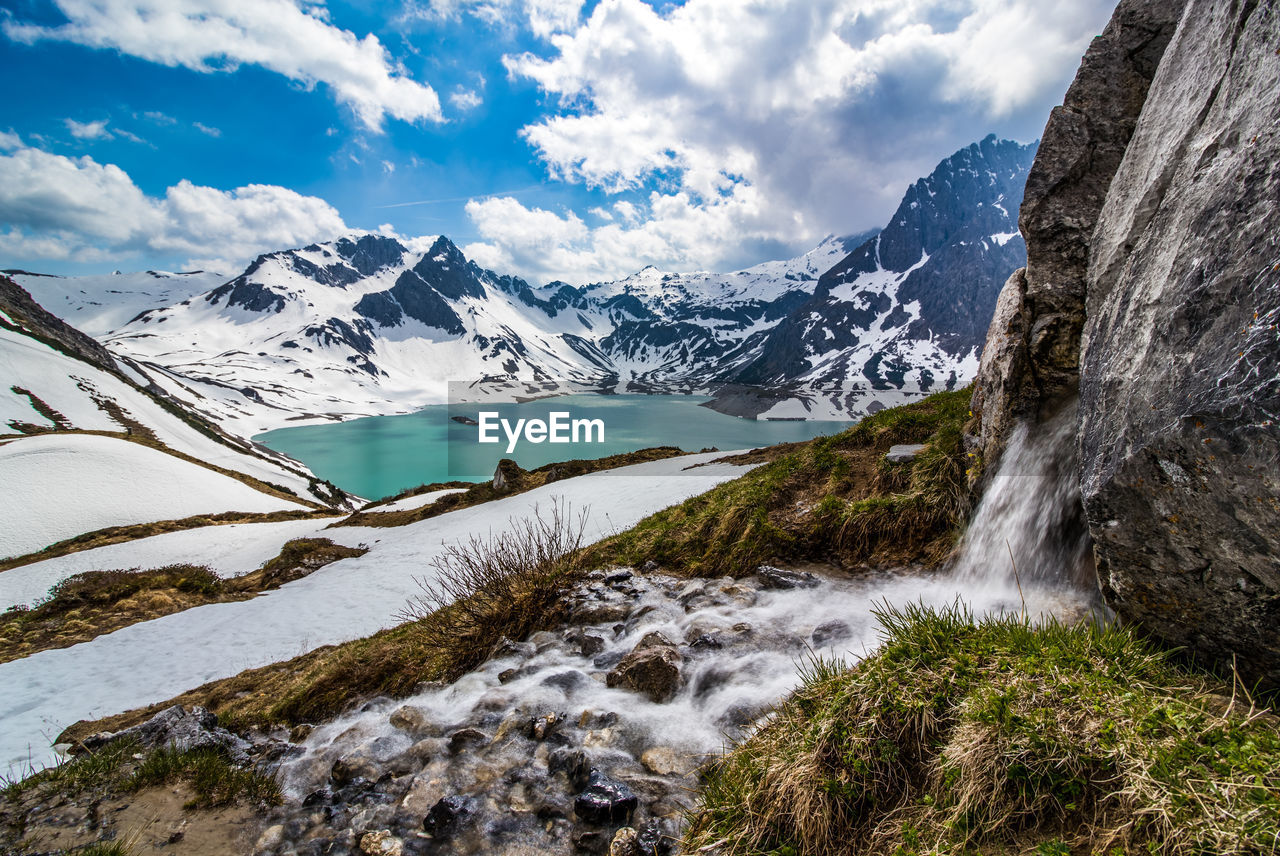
[1029, 527]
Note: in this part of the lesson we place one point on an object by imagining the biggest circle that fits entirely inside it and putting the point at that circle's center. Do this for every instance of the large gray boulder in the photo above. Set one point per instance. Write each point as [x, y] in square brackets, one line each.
[1180, 366]
[1030, 362]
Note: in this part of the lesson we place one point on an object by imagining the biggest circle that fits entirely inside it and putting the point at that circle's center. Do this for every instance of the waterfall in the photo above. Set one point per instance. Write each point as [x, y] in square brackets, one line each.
[1031, 516]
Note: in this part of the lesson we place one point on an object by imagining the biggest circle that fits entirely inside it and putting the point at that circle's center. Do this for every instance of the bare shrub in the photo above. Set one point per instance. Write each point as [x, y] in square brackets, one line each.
[491, 587]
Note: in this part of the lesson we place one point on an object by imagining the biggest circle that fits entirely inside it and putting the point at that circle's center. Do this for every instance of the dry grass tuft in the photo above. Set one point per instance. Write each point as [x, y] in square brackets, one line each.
[489, 588]
[960, 737]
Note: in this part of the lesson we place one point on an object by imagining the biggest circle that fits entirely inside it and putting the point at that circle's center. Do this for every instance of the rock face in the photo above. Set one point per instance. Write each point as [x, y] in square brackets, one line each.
[1180, 371]
[1029, 364]
[1152, 219]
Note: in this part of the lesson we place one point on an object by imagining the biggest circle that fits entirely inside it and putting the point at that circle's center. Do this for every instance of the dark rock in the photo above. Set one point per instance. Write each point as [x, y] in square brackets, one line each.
[1030, 362]
[652, 668]
[177, 728]
[346, 771]
[321, 797]
[618, 577]
[448, 816]
[574, 763]
[654, 839]
[605, 801]
[777, 578]
[1180, 371]
[825, 635]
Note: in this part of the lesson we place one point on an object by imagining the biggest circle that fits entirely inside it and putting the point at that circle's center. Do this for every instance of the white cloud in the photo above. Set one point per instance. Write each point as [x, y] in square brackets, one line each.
[9, 140]
[543, 17]
[57, 207]
[388, 167]
[159, 118]
[208, 130]
[769, 125]
[465, 99]
[88, 130]
[669, 230]
[219, 35]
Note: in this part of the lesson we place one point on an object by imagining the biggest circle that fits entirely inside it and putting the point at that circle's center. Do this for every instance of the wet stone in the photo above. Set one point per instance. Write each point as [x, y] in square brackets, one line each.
[448, 816]
[605, 801]
[784, 580]
[825, 635]
[465, 738]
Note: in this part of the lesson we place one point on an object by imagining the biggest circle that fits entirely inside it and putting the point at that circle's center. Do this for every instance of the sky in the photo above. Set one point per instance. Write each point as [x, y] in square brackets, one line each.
[575, 140]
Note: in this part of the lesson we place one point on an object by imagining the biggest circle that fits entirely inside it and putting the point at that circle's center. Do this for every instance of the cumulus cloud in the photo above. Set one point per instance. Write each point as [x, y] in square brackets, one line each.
[58, 207]
[219, 35]
[772, 124]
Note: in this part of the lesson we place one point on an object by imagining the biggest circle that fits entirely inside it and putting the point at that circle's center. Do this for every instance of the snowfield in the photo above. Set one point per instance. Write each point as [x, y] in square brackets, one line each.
[155, 660]
[228, 551]
[62, 485]
[75, 389]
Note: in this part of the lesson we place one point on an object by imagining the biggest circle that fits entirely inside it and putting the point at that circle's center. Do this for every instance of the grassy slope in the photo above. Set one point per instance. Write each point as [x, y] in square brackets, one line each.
[833, 497]
[998, 737]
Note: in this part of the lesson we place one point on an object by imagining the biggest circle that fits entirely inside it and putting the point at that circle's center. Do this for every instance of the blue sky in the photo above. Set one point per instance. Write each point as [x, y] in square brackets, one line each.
[549, 138]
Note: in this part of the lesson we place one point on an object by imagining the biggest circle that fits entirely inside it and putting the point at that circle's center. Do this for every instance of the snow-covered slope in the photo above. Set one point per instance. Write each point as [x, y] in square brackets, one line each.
[348, 599]
[61, 485]
[99, 304]
[156, 462]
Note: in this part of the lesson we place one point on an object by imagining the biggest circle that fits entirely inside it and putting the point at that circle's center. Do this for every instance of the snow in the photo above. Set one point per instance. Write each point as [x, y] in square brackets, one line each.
[73, 388]
[417, 501]
[98, 304]
[349, 599]
[229, 551]
[1004, 237]
[62, 485]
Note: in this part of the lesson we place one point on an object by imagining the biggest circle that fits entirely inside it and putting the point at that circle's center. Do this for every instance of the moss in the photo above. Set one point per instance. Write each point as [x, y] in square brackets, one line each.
[997, 736]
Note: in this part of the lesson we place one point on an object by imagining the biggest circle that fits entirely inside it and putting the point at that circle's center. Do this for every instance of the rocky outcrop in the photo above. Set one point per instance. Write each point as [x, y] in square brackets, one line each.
[1180, 371]
[1029, 363]
[21, 312]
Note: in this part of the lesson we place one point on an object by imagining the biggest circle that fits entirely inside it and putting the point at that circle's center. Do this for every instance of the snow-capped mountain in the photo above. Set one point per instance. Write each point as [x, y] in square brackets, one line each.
[370, 324]
[907, 310]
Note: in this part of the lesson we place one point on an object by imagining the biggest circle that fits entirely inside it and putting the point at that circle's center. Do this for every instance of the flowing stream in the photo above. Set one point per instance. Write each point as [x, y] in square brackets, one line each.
[511, 741]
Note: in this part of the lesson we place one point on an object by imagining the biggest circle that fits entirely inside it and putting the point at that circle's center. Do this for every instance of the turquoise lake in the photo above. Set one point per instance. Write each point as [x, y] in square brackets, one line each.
[380, 456]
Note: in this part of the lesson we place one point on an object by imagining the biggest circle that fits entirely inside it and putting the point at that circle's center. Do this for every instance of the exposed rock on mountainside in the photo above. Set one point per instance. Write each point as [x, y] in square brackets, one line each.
[1034, 340]
[1154, 266]
[22, 312]
[909, 308]
[1180, 373]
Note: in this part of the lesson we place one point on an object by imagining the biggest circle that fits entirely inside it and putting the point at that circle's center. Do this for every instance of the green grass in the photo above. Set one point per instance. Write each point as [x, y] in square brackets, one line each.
[856, 502]
[962, 737]
[212, 777]
[115, 769]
